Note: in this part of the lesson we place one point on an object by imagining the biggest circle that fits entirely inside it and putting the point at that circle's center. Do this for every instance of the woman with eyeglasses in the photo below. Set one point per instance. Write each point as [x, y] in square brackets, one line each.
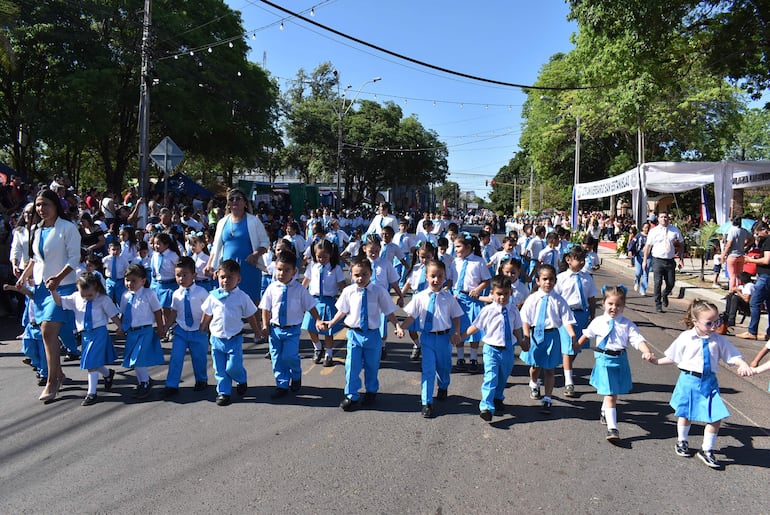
[54, 250]
[242, 237]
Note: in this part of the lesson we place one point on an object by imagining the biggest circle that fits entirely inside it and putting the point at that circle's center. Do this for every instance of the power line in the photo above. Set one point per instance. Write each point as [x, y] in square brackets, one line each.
[423, 63]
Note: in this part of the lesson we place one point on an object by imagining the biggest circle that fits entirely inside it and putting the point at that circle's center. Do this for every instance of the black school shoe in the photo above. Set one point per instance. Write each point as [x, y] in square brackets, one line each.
[486, 415]
[295, 385]
[108, 380]
[348, 404]
[499, 407]
[441, 394]
[279, 393]
[369, 398]
[143, 390]
[241, 388]
[223, 400]
[318, 356]
[427, 411]
[169, 391]
[89, 400]
[200, 386]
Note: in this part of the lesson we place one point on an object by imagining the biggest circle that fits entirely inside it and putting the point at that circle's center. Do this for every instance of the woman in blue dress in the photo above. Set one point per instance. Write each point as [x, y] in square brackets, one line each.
[242, 237]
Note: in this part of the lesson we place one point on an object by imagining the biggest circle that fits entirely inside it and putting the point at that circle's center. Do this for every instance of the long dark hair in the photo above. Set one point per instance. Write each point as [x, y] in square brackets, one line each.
[51, 196]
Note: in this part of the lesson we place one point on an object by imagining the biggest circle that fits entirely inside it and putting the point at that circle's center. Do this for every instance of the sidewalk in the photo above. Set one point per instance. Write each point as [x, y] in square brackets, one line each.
[689, 286]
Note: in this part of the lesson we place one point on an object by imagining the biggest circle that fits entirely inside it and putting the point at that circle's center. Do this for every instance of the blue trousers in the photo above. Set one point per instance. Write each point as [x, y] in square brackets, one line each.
[227, 357]
[364, 350]
[498, 364]
[198, 345]
[760, 296]
[32, 346]
[115, 289]
[641, 277]
[284, 353]
[436, 363]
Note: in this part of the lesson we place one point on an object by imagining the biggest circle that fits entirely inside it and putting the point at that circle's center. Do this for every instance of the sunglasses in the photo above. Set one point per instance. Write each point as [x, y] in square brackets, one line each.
[711, 324]
[235, 199]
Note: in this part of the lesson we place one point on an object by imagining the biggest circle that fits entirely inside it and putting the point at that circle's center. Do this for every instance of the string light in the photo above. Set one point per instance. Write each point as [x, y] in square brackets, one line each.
[312, 11]
[281, 27]
[211, 50]
[230, 44]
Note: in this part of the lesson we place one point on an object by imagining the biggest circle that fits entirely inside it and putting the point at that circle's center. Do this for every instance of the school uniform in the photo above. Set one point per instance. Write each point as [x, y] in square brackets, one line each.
[91, 322]
[115, 270]
[577, 288]
[436, 320]
[611, 374]
[696, 394]
[545, 348]
[519, 293]
[227, 311]
[338, 238]
[188, 302]
[499, 341]
[534, 247]
[549, 256]
[163, 278]
[592, 261]
[404, 241]
[201, 279]
[425, 237]
[364, 344]
[324, 287]
[287, 304]
[142, 344]
[128, 251]
[470, 272]
[384, 274]
[32, 343]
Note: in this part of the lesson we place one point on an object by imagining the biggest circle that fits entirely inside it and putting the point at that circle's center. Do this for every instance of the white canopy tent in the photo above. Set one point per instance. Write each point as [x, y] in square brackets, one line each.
[671, 177]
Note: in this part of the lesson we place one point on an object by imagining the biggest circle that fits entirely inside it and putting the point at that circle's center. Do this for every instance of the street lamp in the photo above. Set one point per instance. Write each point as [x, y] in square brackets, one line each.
[344, 108]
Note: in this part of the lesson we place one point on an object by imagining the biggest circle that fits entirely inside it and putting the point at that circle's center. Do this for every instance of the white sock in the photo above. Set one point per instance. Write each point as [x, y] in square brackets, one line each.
[611, 415]
[416, 342]
[142, 374]
[104, 371]
[708, 440]
[682, 432]
[317, 345]
[533, 384]
[547, 398]
[460, 352]
[474, 354]
[93, 381]
[568, 377]
[330, 352]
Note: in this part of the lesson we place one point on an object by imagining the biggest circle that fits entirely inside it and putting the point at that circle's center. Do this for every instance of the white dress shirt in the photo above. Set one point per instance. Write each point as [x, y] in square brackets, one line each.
[227, 314]
[378, 302]
[299, 302]
[198, 295]
[445, 309]
[102, 309]
[490, 320]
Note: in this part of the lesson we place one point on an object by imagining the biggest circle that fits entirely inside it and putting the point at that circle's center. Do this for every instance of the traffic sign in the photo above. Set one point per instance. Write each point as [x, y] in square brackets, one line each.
[167, 155]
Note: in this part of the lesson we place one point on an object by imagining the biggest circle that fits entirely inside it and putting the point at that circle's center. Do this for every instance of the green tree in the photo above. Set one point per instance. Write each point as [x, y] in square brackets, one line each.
[448, 192]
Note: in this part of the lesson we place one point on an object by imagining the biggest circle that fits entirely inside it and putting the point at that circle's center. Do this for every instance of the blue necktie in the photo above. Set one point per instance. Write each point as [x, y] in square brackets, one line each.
[114, 271]
[374, 273]
[579, 285]
[606, 339]
[283, 309]
[384, 250]
[429, 313]
[507, 328]
[540, 324]
[88, 320]
[708, 383]
[188, 316]
[364, 313]
[422, 283]
[126, 323]
[158, 262]
[553, 258]
[461, 277]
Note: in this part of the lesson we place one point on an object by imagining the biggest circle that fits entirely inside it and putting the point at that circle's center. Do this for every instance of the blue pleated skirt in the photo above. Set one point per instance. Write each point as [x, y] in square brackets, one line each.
[688, 401]
[545, 354]
[98, 349]
[611, 374]
[143, 348]
[326, 310]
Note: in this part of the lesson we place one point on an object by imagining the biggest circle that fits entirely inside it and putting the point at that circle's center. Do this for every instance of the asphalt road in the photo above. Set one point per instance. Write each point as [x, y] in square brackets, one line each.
[304, 455]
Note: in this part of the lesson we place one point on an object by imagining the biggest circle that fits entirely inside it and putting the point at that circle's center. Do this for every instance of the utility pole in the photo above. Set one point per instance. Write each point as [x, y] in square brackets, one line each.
[144, 102]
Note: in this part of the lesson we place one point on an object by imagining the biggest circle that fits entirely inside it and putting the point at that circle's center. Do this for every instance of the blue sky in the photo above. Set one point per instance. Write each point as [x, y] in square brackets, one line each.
[506, 40]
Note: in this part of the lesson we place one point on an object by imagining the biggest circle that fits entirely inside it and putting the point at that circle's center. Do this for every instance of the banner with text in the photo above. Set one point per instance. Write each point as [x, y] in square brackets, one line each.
[626, 181]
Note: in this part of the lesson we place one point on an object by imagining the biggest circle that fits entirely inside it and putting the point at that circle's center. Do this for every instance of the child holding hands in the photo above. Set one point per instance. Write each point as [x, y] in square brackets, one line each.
[501, 324]
[438, 313]
[697, 352]
[93, 309]
[283, 306]
[611, 375]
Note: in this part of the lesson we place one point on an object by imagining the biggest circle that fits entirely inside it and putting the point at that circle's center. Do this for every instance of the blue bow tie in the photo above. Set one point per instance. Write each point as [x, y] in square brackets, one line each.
[220, 293]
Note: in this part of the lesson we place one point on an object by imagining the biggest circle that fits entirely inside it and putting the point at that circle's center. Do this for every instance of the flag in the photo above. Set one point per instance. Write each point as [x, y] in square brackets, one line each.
[705, 216]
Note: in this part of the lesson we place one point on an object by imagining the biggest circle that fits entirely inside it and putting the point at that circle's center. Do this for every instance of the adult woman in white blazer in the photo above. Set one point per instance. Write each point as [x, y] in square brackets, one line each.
[54, 255]
[242, 237]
